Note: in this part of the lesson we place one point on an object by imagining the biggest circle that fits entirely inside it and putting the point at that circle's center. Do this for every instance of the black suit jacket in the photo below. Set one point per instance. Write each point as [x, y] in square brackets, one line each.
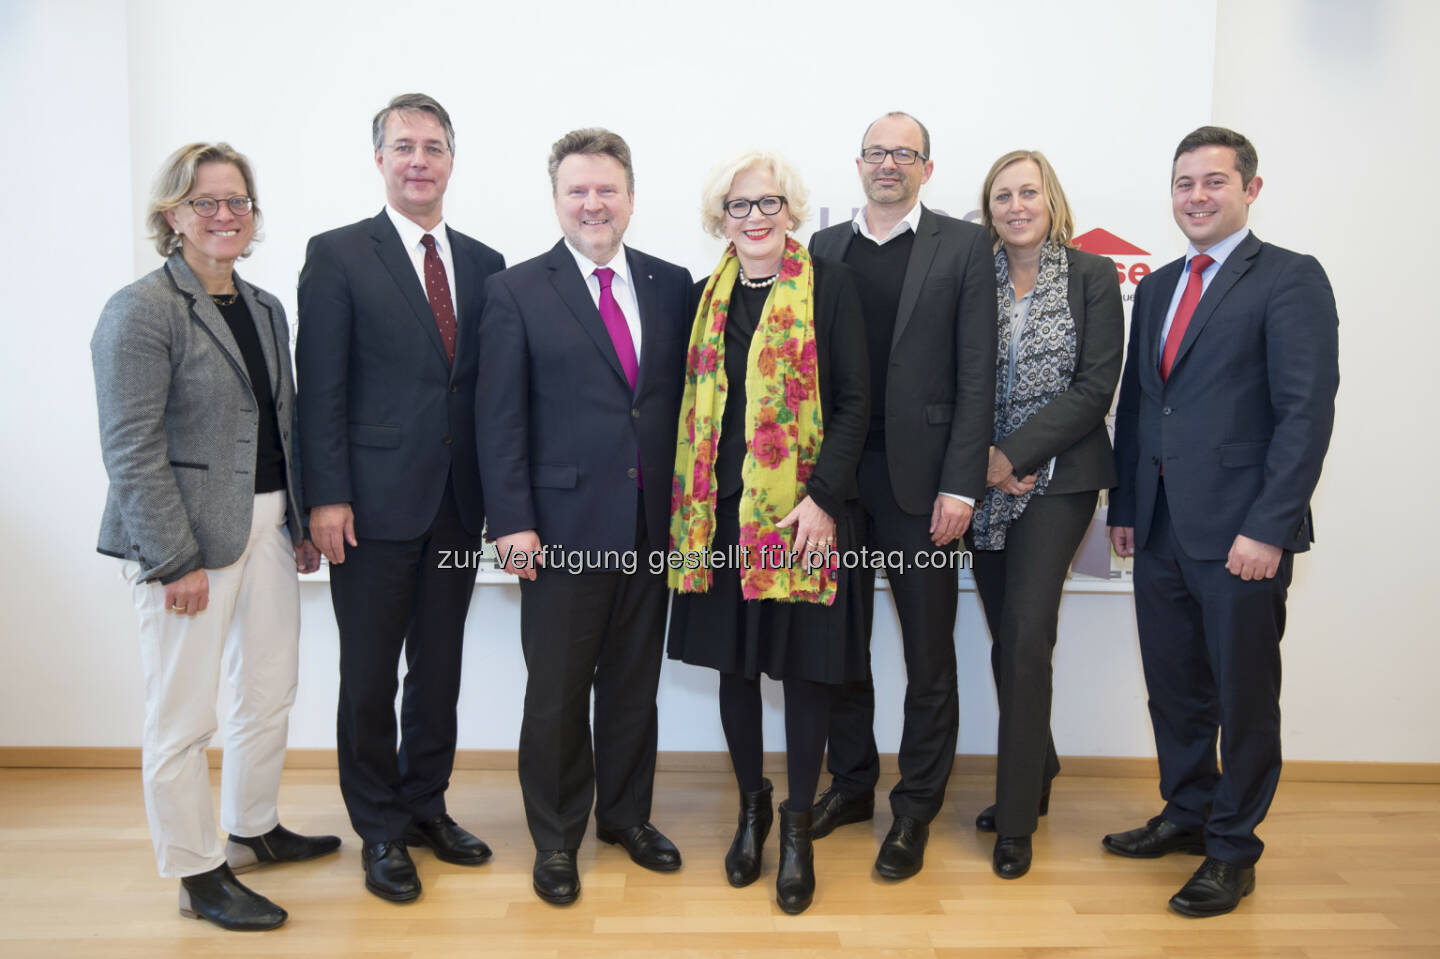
[1242, 424]
[385, 418]
[560, 431]
[1071, 427]
[940, 391]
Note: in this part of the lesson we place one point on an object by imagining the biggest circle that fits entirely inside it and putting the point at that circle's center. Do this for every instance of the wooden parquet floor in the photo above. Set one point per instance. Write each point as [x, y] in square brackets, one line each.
[1352, 870]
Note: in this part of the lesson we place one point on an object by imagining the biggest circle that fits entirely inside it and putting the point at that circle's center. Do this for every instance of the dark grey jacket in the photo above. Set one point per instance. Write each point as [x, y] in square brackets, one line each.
[178, 422]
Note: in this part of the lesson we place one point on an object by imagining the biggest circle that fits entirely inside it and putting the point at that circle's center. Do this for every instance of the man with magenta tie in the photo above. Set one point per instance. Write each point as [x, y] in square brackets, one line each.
[1226, 406]
[582, 359]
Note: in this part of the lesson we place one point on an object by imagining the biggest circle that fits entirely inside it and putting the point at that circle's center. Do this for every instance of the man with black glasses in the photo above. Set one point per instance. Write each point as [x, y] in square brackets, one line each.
[927, 285]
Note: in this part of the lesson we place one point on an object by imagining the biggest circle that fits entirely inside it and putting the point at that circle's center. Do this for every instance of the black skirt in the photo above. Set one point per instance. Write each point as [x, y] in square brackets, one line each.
[719, 629]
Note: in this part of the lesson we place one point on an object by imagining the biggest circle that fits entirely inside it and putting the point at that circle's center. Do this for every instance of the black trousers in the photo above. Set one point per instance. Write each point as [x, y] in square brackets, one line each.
[1020, 588]
[1210, 645]
[600, 630]
[925, 600]
[388, 596]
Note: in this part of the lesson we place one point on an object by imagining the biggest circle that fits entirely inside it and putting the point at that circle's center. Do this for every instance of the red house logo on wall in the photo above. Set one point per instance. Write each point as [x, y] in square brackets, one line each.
[1105, 243]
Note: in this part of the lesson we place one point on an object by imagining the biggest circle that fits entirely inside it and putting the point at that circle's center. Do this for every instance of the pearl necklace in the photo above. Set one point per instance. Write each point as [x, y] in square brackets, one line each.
[757, 284]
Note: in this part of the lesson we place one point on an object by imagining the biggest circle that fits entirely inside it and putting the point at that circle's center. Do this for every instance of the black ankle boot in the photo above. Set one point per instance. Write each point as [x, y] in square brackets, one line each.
[218, 896]
[742, 862]
[795, 882]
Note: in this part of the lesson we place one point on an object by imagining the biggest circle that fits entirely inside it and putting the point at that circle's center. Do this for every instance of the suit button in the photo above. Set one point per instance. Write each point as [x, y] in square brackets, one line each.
[452, 388]
[632, 472]
[1165, 411]
[634, 414]
[1154, 461]
[446, 439]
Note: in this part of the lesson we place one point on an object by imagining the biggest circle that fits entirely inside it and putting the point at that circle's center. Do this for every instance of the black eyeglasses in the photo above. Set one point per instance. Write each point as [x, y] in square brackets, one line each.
[769, 205]
[208, 206]
[903, 155]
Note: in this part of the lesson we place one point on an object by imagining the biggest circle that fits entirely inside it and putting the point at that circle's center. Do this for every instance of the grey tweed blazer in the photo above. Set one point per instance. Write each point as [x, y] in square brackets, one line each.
[178, 422]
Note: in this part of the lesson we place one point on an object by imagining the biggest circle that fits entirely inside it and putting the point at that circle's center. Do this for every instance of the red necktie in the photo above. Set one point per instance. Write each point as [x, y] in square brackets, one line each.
[1188, 301]
[615, 324]
[437, 291]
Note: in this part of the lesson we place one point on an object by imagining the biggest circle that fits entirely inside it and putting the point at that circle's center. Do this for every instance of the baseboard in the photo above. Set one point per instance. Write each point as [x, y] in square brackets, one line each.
[1107, 767]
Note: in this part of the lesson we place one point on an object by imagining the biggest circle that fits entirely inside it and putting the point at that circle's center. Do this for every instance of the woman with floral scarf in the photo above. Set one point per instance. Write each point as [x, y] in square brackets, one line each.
[1061, 331]
[764, 496]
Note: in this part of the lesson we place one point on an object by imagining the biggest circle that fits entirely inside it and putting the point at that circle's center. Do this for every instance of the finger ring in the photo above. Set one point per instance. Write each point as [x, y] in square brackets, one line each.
[177, 606]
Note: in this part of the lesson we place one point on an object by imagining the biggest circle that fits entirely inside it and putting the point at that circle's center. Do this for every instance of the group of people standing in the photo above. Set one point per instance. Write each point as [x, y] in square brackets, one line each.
[909, 383]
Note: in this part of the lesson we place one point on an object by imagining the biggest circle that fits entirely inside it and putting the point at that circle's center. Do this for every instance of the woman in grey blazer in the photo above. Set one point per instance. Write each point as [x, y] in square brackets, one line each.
[196, 401]
[1061, 333]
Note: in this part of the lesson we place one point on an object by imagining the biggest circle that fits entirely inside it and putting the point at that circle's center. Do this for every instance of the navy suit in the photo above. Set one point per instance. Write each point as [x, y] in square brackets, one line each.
[565, 445]
[387, 424]
[1231, 444]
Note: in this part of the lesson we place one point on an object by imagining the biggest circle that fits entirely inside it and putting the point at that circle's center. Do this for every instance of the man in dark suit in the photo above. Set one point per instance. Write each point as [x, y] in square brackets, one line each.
[582, 359]
[927, 285]
[1225, 411]
[389, 310]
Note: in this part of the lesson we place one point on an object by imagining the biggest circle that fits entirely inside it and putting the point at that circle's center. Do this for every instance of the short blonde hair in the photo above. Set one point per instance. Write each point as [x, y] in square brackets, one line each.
[177, 178]
[1062, 221]
[719, 180]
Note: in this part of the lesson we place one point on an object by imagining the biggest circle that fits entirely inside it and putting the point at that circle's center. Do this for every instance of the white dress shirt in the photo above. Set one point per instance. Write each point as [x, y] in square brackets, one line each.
[620, 287]
[410, 238]
[911, 222]
[1220, 252]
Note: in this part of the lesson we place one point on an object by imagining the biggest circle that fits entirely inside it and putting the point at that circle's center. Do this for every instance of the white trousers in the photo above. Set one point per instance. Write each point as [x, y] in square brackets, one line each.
[251, 628]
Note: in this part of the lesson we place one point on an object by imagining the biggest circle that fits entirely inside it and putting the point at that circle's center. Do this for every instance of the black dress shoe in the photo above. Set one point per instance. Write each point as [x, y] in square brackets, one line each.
[389, 871]
[556, 878]
[218, 896]
[448, 840]
[1158, 837]
[244, 853]
[1216, 888]
[646, 845]
[742, 862]
[1012, 856]
[985, 822]
[795, 879]
[835, 808]
[903, 851]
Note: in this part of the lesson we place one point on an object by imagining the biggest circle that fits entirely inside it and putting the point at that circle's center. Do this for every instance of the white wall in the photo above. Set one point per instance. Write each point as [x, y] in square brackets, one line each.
[1340, 99]
[97, 94]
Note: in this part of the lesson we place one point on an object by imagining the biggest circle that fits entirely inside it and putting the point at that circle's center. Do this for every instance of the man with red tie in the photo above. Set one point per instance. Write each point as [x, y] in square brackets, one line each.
[389, 310]
[582, 360]
[1226, 406]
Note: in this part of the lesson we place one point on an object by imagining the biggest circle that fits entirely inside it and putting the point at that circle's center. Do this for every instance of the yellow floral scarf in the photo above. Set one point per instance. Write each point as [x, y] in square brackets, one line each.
[782, 436]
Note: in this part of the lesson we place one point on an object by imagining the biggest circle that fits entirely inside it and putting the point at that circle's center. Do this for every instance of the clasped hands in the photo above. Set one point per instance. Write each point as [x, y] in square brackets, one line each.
[1000, 473]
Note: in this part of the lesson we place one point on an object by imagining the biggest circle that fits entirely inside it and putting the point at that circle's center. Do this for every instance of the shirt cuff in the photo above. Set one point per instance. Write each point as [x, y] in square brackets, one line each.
[967, 500]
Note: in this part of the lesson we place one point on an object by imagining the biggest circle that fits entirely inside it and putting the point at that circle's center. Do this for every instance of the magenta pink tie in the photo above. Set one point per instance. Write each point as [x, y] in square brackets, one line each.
[615, 324]
[1188, 301]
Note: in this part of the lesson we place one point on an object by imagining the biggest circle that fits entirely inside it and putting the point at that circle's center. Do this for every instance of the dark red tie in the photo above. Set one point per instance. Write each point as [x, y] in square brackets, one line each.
[615, 324]
[1188, 301]
[437, 291]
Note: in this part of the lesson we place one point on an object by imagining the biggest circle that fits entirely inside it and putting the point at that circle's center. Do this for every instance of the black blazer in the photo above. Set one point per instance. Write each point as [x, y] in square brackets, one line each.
[559, 430]
[940, 391]
[1071, 427]
[843, 367]
[1244, 420]
[385, 418]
